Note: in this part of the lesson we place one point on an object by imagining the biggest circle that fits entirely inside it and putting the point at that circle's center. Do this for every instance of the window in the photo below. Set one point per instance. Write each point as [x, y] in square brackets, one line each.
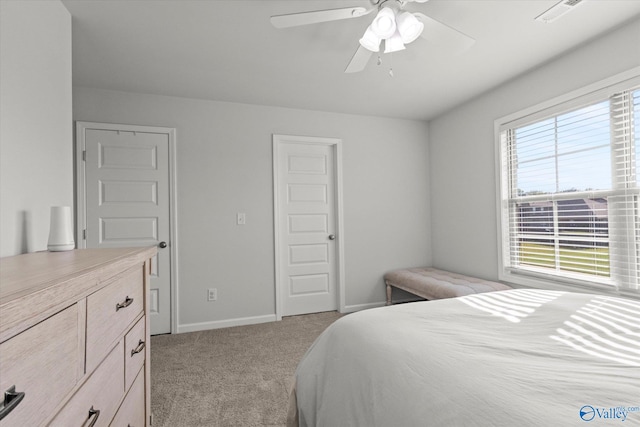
[570, 190]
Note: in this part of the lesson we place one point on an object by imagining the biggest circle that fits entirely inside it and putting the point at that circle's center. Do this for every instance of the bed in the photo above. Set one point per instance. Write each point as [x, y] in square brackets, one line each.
[515, 357]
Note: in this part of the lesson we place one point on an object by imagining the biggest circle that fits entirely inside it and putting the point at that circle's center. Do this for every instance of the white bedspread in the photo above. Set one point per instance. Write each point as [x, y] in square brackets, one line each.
[510, 358]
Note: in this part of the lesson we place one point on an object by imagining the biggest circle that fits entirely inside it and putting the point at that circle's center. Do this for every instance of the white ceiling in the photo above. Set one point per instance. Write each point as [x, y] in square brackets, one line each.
[227, 50]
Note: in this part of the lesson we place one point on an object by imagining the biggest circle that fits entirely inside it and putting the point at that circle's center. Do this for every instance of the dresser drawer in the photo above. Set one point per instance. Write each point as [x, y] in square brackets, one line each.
[102, 392]
[110, 312]
[42, 362]
[134, 351]
[131, 412]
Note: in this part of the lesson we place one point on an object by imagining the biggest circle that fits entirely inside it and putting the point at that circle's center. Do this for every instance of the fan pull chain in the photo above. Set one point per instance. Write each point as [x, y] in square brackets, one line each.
[390, 68]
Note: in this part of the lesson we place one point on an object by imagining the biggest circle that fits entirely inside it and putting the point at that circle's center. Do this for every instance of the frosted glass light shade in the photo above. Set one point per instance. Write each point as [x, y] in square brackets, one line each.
[409, 27]
[393, 44]
[370, 40]
[384, 24]
[61, 229]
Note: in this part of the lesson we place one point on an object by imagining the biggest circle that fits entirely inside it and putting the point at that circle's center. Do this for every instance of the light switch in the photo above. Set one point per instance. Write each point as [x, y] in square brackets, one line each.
[242, 219]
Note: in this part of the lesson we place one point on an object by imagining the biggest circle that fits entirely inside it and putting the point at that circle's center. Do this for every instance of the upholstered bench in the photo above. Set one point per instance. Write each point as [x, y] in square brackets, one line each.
[431, 283]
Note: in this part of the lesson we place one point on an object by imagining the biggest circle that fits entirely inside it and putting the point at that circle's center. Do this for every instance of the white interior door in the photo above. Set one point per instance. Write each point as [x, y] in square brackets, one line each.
[127, 200]
[307, 226]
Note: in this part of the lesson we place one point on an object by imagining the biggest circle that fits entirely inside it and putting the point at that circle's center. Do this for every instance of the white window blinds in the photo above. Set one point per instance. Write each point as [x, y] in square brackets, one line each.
[571, 190]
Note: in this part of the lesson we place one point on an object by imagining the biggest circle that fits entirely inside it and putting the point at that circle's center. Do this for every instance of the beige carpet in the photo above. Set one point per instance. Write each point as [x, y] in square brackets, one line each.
[236, 376]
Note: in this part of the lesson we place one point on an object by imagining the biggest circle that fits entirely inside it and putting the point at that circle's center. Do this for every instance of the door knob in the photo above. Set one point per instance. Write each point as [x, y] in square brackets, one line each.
[332, 237]
[162, 245]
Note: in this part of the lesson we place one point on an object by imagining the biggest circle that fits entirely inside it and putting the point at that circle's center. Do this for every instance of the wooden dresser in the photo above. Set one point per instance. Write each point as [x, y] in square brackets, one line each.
[74, 338]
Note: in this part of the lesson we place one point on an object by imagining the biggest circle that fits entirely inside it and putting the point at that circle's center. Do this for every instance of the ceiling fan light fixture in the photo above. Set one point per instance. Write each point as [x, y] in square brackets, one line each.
[384, 24]
[409, 27]
[370, 40]
[393, 43]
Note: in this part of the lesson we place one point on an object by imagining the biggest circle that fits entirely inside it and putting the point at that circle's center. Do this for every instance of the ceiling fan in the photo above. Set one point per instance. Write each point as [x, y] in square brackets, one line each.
[392, 24]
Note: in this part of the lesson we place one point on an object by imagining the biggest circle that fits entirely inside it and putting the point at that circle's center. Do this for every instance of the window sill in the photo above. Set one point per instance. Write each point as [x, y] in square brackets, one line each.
[524, 280]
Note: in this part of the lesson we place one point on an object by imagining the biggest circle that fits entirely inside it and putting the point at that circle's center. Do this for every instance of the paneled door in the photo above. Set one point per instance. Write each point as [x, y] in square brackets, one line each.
[126, 200]
[307, 232]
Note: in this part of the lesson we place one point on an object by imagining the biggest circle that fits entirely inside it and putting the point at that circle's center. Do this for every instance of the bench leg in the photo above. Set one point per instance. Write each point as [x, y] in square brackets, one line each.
[388, 294]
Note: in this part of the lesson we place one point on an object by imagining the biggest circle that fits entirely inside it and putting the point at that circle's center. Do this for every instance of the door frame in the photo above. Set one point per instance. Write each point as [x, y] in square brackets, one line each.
[336, 145]
[81, 208]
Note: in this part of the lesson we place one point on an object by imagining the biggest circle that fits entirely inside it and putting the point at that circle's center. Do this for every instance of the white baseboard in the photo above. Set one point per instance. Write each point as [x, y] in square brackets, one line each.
[217, 324]
[358, 307]
[254, 320]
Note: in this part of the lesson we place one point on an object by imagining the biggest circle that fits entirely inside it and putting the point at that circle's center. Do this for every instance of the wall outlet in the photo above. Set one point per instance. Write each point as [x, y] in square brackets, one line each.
[212, 294]
[241, 218]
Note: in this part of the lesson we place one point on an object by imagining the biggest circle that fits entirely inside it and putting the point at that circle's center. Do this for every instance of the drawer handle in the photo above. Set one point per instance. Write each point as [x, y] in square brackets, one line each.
[11, 400]
[93, 412]
[127, 302]
[138, 349]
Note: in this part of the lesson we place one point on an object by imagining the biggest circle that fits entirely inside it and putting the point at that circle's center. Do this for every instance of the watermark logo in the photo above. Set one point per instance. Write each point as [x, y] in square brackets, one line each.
[587, 413]
[617, 413]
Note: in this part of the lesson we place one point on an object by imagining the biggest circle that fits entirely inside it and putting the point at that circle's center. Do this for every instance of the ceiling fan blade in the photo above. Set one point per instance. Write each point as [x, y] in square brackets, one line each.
[305, 18]
[443, 35]
[359, 60]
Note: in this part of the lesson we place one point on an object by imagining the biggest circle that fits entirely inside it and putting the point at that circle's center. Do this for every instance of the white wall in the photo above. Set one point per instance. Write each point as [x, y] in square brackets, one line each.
[36, 137]
[224, 166]
[462, 156]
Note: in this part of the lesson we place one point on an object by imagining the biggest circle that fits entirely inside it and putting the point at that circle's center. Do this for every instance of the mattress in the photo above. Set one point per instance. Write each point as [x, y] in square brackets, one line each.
[516, 357]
